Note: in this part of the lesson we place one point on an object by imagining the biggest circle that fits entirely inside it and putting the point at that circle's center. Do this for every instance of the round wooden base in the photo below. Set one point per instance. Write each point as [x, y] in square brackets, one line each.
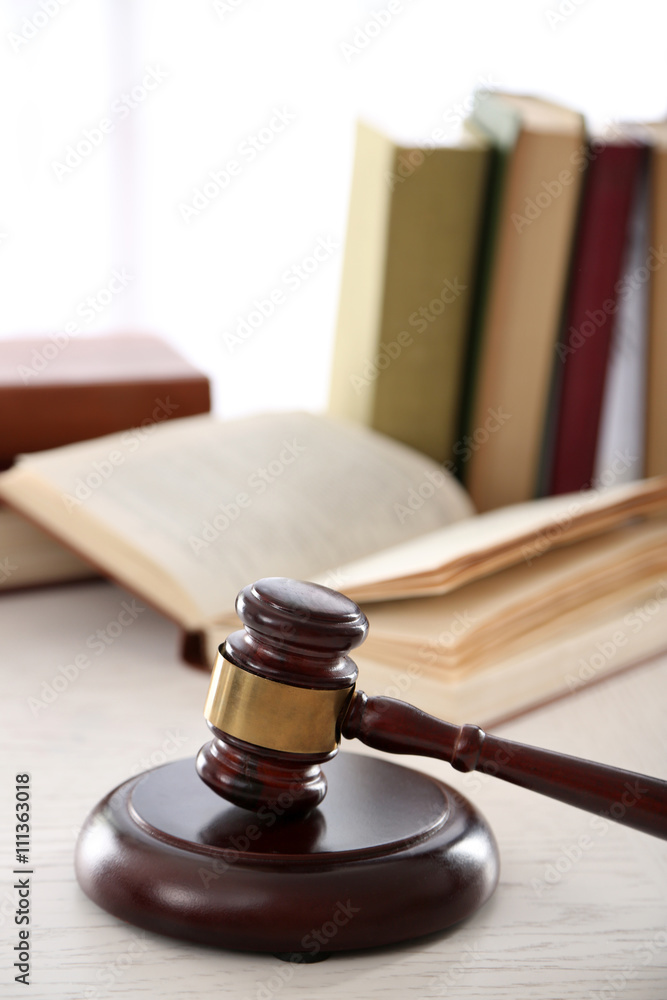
[390, 854]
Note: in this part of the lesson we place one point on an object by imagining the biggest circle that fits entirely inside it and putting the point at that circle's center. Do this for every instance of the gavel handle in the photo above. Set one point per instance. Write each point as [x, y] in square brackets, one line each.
[623, 796]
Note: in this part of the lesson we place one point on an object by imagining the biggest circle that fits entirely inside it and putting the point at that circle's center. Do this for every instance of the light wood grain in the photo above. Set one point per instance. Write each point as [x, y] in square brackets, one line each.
[594, 928]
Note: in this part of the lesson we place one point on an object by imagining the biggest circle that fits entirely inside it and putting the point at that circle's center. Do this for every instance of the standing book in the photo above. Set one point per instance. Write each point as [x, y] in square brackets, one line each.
[656, 411]
[530, 232]
[408, 287]
[582, 354]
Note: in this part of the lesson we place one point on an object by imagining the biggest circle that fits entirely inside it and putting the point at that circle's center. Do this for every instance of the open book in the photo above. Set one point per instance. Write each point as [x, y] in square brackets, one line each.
[199, 508]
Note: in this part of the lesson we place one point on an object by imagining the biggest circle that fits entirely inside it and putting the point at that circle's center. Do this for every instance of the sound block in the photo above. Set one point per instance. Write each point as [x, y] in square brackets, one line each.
[390, 854]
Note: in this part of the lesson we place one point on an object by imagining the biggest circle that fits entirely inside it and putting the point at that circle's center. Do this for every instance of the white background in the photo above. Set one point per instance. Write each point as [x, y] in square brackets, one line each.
[228, 65]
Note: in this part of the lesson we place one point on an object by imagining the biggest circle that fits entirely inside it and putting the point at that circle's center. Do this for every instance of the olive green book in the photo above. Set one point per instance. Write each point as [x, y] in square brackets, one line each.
[408, 287]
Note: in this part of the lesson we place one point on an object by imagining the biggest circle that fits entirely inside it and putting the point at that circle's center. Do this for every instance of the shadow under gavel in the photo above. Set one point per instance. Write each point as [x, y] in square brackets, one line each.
[283, 694]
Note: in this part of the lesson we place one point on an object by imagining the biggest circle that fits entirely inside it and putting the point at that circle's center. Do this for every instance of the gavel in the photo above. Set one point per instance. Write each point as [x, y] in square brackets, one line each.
[283, 693]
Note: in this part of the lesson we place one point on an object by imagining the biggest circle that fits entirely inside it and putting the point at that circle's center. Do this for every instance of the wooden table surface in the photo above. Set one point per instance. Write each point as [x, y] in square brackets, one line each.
[580, 911]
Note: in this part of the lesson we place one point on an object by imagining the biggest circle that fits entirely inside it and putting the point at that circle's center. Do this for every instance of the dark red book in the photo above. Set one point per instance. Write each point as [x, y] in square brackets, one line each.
[593, 294]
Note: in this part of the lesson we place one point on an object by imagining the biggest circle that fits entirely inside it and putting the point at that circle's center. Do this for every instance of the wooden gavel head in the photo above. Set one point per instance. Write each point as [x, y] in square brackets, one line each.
[279, 690]
[283, 693]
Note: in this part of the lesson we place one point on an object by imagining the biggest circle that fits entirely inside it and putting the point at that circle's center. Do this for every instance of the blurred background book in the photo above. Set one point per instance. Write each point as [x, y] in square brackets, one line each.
[544, 371]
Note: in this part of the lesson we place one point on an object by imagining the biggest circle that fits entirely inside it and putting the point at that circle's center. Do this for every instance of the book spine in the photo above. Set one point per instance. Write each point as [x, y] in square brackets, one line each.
[583, 349]
[34, 417]
[656, 409]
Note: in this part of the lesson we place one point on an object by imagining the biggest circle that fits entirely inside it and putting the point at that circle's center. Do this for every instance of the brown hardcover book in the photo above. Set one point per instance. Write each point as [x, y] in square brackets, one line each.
[58, 390]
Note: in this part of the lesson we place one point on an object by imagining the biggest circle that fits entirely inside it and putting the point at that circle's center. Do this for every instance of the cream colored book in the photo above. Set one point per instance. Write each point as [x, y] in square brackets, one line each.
[204, 507]
[531, 230]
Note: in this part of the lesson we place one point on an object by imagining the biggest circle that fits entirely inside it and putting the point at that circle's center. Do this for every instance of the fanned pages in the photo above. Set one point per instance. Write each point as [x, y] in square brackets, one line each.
[550, 663]
[451, 557]
[463, 631]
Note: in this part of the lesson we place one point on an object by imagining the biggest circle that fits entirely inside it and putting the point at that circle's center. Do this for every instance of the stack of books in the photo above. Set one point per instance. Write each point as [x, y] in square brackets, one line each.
[491, 482]
[56, 390]
[472, 616]
[504, 300]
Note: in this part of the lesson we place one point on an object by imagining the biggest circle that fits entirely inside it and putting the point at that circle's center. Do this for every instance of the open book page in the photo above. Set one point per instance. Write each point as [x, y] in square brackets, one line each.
[190, 511]
[453, 556]
[466, 629]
